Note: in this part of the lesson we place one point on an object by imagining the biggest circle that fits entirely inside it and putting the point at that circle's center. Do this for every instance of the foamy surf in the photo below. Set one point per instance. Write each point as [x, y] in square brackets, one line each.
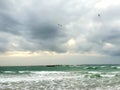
[66, 78]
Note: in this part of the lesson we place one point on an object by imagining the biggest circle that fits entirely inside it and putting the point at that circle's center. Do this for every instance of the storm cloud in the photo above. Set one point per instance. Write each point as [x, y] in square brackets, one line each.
[60, 26]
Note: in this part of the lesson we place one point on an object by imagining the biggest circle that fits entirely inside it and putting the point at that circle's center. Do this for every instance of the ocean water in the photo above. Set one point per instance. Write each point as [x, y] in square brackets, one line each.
[66, 77]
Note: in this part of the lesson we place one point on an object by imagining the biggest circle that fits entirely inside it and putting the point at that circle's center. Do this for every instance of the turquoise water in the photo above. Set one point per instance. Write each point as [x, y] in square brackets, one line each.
[58, 77]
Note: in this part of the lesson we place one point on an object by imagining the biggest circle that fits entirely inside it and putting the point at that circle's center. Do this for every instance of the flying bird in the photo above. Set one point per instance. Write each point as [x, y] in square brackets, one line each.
[59, 25]
[99, 15]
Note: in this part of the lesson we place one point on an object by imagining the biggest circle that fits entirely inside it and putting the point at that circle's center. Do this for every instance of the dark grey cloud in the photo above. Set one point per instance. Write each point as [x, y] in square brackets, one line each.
[3, 45]
[8, 24]
[4, 5]
[33, 26]
[37, 32]
[98, 37]
[46, 36]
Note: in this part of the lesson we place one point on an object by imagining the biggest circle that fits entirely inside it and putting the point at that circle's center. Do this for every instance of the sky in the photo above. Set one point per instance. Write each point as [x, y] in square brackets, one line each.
[39, 32]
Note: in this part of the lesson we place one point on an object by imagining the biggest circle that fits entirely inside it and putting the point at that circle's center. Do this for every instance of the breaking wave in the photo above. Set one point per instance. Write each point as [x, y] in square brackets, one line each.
[85, 77]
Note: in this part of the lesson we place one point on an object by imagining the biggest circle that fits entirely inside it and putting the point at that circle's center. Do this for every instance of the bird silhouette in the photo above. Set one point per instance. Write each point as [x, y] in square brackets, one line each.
[98, 14]
[59, 25]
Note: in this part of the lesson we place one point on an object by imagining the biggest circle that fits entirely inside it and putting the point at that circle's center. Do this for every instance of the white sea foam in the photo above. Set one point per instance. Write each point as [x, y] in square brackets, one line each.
[118, 67]
[60, 80]
[37, 76]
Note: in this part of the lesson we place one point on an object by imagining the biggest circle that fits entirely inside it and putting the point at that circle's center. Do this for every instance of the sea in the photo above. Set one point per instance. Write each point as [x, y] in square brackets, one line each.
[60, 77]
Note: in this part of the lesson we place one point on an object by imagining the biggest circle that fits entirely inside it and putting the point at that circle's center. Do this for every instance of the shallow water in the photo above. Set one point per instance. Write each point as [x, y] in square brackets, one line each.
[83, 77]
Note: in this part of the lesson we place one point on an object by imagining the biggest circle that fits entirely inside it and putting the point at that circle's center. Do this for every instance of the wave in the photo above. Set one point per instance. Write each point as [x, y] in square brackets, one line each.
[78, 69]
[63, 80]
[75, 80]
[15, 72]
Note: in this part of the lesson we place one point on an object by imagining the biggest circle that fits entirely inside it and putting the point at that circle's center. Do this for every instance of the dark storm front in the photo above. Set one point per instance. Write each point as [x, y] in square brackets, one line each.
[60, 77]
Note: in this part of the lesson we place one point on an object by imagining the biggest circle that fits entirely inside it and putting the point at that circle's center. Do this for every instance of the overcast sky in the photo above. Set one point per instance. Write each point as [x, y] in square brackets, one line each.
[59, 32]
